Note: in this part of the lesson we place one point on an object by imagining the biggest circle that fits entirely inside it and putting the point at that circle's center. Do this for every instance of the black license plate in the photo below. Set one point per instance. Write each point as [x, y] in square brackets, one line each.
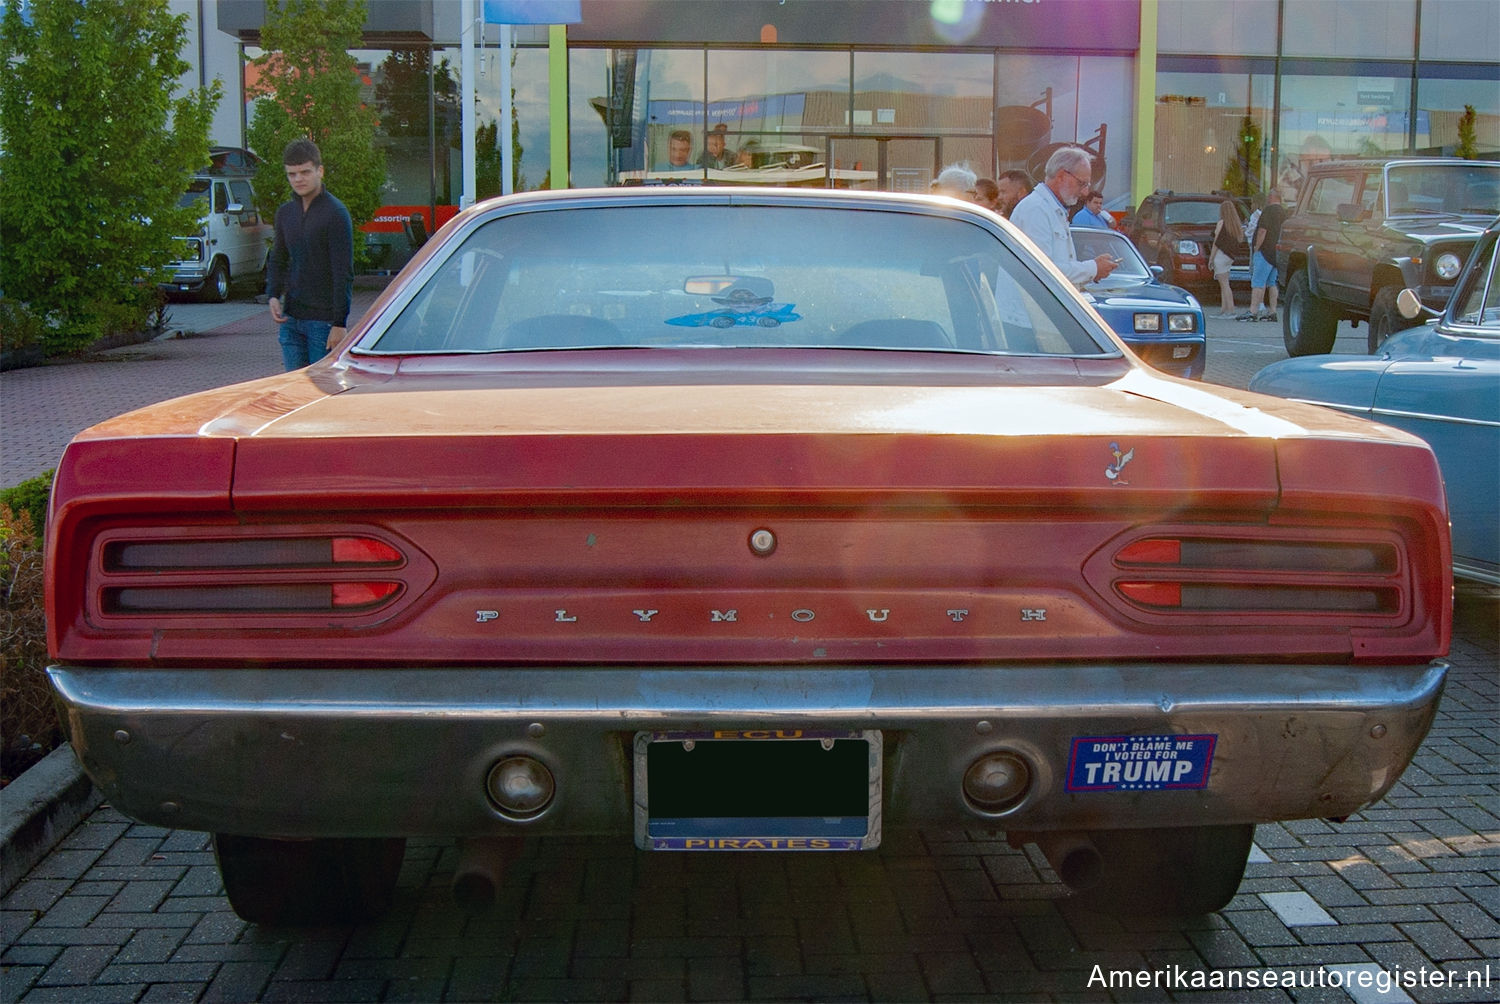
[757, 790]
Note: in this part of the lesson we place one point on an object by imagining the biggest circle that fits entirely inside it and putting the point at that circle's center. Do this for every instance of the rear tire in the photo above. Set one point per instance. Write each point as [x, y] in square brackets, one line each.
[308, 882]
[1177, 871]
[1385, 318]
[216, 286]
[1308, 322]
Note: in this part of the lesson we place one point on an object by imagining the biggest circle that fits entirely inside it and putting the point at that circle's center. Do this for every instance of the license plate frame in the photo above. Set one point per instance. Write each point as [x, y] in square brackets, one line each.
[838, 770]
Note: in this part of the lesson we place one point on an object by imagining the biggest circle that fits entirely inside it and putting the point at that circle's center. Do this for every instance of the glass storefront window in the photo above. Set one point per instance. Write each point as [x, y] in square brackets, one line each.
[1203, 140]
[914, 113]
[1440, 106]
[1339, 115]
[591, 157]
[775, 107]
[1046, 102]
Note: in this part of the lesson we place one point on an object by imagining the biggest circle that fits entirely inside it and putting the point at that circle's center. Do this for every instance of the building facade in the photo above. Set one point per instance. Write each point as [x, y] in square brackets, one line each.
[884, 94]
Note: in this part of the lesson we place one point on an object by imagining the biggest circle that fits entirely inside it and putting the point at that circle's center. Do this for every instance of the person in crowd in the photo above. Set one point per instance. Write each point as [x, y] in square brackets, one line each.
[1092, 214]
[955, 180]
[1013, 185]
[679, 148]
[714, 154]
[1263, 259]
[987, 194]
[310, 270]
[1043, 215]
[1228, 244]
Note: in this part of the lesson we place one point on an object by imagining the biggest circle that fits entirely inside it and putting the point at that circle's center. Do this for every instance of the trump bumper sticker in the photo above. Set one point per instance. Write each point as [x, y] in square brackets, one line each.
[1140, 763]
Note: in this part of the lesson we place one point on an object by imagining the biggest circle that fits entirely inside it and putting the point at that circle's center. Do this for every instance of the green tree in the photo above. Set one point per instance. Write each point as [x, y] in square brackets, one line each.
[1242, 170]
[310, 86]
[97, 144]
[1468, 144]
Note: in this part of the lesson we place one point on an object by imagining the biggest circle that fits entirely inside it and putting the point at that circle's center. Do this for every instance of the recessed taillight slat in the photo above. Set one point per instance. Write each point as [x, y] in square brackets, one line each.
[284, 597]
[1224, 597]
[239, 574]
[1258, 572]
[246, 552]
[1260, 555]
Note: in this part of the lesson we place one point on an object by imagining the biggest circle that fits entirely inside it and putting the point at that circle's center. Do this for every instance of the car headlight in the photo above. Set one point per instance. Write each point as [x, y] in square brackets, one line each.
[1188, 248]
[1148, 322]
[1182, 323]
[1448, 265]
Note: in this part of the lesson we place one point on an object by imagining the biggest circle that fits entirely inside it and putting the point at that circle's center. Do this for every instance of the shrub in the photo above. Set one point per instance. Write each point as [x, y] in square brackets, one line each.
[19, 327]
[30, 497]
[29, 727]
[97, 142]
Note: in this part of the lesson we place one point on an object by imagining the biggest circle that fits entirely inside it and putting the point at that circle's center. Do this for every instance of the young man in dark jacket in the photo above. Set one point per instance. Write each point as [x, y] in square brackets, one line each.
[310, 273]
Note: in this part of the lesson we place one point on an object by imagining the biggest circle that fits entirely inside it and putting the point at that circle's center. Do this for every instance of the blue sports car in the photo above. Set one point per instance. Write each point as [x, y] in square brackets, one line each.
[1162, 324]
[1440, 381]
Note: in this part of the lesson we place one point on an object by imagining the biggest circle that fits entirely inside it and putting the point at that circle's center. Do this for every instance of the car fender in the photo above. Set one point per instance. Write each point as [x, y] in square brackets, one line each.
[1314, 281]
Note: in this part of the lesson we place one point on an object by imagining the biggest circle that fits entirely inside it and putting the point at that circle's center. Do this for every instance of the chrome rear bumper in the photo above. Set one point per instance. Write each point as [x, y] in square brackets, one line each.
[366, 752]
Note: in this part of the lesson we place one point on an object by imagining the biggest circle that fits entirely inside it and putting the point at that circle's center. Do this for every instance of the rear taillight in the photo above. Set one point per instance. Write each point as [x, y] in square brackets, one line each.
[1251, 572]
[246, 575]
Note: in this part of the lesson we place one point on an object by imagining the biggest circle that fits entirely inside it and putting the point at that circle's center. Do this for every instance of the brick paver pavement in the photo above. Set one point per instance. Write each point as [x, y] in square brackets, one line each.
[1408, 891]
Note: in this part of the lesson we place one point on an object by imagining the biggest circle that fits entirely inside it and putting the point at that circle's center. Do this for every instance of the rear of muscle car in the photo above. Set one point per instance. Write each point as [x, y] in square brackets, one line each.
[741, 599]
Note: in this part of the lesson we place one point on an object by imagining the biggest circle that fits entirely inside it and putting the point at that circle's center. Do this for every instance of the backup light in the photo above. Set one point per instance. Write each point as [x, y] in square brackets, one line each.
[997, 782]
[520, 786]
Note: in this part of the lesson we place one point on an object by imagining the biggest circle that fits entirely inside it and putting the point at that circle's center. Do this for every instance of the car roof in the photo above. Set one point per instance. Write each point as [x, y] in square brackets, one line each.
[1366, 163]
[1193, 196]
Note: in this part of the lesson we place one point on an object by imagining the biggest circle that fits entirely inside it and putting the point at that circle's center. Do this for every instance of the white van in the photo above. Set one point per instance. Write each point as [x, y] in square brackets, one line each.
[232, 244]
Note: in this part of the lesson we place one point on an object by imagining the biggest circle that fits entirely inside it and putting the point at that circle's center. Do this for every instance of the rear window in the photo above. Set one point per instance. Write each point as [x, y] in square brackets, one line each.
[1193, 213]
[708, 276]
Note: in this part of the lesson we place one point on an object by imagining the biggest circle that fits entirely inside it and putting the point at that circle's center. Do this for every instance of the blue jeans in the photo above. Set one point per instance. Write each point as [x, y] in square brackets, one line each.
[1262, 272]
[302, 342]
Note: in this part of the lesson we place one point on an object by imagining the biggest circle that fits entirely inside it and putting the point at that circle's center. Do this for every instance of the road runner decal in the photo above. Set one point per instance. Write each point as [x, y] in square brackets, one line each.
[1140, 763]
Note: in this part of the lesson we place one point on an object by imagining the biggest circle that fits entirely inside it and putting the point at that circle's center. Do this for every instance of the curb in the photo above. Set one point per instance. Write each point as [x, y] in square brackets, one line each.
[38, 809]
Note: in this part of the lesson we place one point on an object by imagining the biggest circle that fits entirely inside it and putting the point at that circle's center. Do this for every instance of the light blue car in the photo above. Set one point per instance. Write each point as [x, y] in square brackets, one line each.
[1440, 381]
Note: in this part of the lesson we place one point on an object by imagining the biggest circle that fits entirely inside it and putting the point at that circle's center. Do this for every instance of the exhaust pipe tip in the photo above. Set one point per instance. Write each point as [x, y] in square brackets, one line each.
[482, 862]
[1075, 859]
[474, 891]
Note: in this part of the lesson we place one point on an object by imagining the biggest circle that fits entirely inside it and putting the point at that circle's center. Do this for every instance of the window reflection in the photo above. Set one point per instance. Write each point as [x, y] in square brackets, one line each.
[1339, 116]
[1213, 131]
[1440, 107]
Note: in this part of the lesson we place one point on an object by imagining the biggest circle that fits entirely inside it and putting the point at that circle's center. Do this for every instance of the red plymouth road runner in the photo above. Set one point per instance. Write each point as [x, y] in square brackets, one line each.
[732, 520]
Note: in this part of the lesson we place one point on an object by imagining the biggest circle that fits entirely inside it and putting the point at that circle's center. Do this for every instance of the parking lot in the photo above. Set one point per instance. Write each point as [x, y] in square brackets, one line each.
[1400, 902]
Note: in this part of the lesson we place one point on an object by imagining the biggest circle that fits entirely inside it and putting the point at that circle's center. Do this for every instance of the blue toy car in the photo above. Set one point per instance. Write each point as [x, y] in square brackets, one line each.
[746, 301]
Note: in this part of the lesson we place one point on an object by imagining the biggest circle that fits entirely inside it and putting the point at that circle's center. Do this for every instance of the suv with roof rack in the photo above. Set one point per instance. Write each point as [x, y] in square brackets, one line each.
[1362, 230]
